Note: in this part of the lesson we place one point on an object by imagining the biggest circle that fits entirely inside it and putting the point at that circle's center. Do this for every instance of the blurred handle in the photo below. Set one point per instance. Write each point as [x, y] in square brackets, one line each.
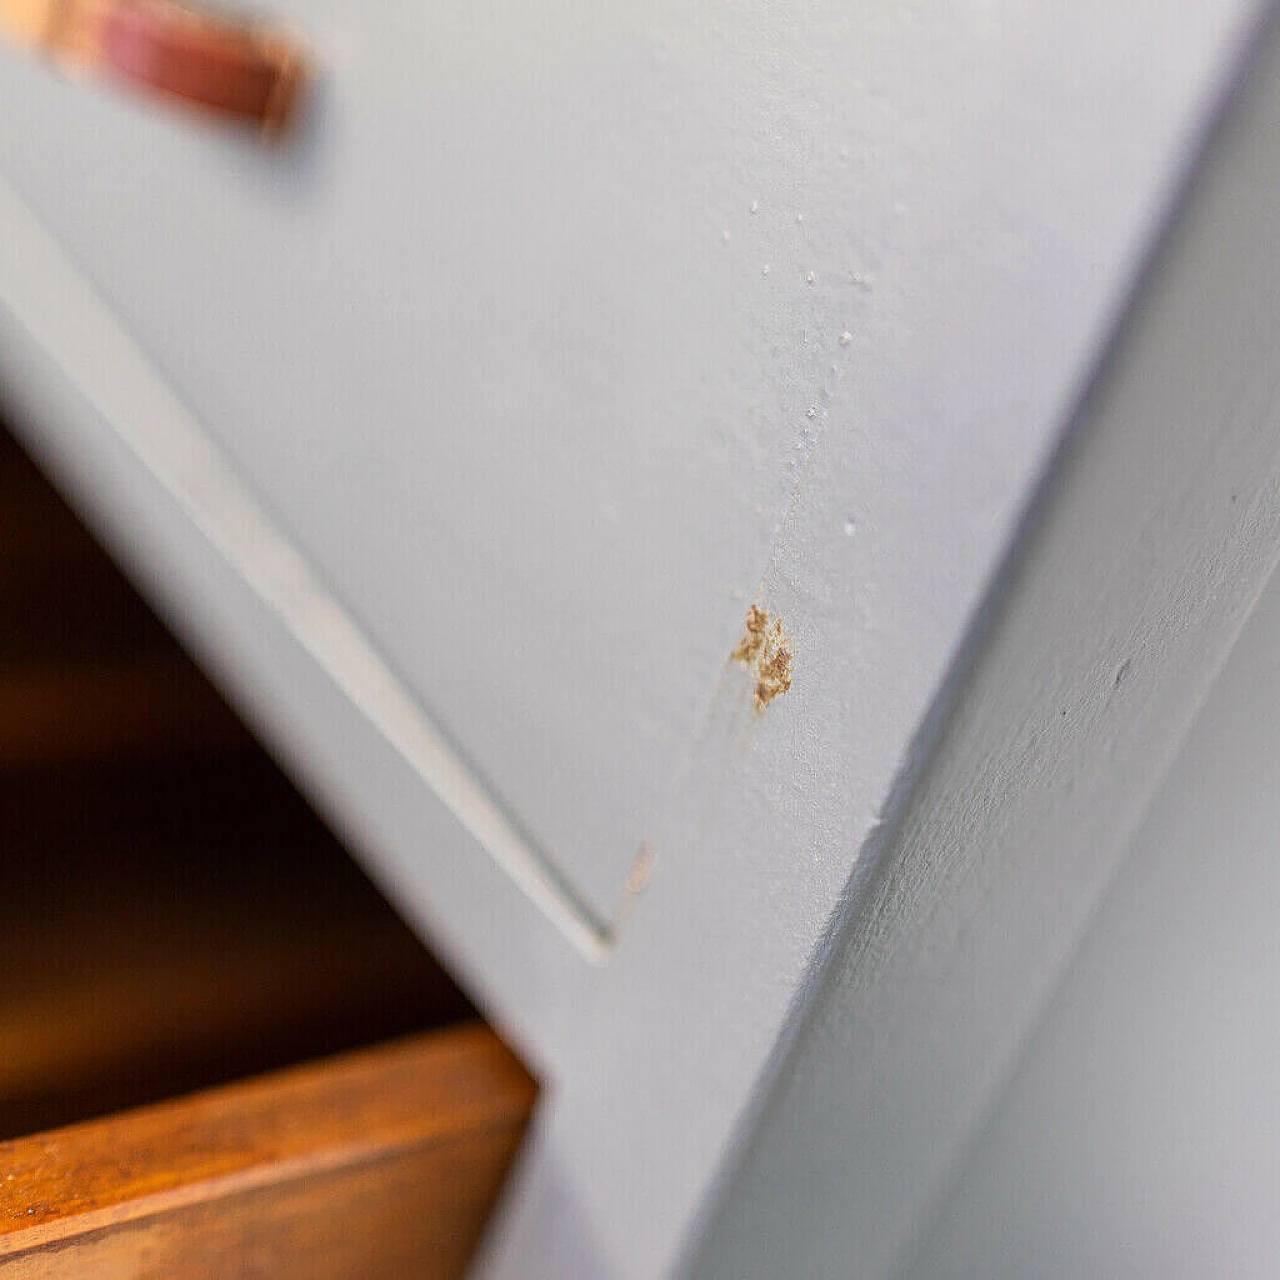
[235, 68]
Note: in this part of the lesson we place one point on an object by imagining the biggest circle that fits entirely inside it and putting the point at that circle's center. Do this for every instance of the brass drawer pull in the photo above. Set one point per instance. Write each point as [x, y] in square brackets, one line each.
[231, 67]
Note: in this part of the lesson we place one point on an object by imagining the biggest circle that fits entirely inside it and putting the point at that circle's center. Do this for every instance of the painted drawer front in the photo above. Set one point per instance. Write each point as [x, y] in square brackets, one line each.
[532, 335]
[523, 340]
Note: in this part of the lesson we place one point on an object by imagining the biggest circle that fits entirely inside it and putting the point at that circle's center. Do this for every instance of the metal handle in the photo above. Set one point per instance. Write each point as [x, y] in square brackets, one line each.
[235, 68]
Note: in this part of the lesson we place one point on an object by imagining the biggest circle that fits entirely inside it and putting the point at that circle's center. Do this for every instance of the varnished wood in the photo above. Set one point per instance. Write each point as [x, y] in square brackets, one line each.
[174, 916]
[380, 1164]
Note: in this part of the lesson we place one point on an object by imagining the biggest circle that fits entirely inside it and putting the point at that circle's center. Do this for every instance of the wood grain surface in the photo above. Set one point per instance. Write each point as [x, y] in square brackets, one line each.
[381, 1164]
[179, 930]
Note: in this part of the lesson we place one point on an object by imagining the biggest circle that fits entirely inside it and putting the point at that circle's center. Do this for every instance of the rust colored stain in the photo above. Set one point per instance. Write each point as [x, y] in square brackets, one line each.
[766, 648]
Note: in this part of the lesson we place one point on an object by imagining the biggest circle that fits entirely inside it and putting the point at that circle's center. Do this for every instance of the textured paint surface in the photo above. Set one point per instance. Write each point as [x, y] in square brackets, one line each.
[511, 287]
[586, 410]
[1161, 531]
[496, 344]
[1141, 1135]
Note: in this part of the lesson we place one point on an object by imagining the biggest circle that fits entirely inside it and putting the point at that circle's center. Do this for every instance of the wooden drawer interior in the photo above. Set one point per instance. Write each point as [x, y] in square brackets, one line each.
[221, 1051]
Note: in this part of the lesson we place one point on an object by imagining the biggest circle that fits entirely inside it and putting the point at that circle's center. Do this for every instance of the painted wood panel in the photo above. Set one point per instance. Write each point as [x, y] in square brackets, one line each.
[1140, 1134]
[1007, 169]
[529, 336]
[1152, 546]
[522, 341]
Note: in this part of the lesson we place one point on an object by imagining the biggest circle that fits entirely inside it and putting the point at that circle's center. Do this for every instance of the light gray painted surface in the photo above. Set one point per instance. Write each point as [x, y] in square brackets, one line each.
[511, 288]
[481, 344]
[1006, 168]
[1141, 1134]
[1161, 532]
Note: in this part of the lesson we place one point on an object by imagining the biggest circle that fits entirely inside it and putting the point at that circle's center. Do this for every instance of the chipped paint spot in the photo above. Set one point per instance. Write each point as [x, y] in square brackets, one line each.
[641, 870]
[766, 647]
[774, 667]
[753, 639]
